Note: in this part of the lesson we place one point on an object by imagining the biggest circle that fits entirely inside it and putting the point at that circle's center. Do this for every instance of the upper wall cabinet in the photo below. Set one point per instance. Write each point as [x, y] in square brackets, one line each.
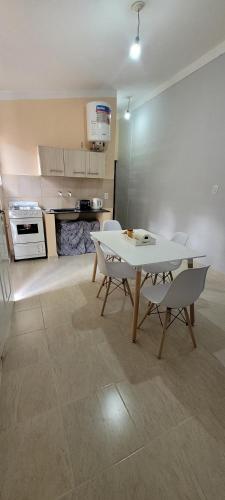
[71, 162]
[51, 160]
[75, 163]
[95, 165]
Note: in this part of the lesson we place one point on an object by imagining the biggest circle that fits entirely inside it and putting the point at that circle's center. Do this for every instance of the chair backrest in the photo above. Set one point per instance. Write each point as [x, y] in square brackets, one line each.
[181, 238]
[101, 259]
[186, 288]
[111, 225]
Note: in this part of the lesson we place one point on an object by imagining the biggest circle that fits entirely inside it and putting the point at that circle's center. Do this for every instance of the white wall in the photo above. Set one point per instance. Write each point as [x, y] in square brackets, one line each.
[170, 156]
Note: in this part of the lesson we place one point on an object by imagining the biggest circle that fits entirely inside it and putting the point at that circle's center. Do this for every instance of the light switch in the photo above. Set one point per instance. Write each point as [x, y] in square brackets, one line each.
[215, 189]
[106, 196]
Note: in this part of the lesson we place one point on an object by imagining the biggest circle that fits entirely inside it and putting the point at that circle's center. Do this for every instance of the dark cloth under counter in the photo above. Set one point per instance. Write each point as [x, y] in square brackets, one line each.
[73, 237]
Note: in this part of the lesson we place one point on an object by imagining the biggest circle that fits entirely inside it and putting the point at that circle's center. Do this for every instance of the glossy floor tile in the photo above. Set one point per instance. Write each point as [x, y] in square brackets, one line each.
[27, 303]
[220, 355]
[27, 321]
[156, 472]
[26, 393]
[114, 438]
[37, 392]
[34, 461]
[152, 406]
[80, 372]
[85, 414]
[25, 350]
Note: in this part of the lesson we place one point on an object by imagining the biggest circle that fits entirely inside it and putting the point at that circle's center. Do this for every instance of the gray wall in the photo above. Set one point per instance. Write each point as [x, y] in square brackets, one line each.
[170, 156]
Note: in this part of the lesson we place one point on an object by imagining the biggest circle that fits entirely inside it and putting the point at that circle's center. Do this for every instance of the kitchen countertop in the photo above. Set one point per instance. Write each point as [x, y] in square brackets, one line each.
[74, 211]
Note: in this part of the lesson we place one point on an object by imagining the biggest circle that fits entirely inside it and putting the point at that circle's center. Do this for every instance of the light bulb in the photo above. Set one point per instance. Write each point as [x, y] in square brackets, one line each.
[127, 114]
[135, 50]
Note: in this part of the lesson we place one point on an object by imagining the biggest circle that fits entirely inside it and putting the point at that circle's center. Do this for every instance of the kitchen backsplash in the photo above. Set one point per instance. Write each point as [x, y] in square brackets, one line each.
[45, 190]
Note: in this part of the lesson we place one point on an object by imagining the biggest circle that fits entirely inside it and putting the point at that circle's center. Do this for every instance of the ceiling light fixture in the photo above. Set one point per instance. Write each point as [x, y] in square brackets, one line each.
[135, 50]
[127, 113]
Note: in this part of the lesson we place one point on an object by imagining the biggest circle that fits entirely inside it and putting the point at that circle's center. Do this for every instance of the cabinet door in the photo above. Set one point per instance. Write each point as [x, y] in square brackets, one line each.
[51, 160]
[6, 304]
[6, 309]
[96, 165]
[75, 163]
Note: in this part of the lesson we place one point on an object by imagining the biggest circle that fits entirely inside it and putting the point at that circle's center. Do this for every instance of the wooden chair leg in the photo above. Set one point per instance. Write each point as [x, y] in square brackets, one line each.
[124, 286]
[95, 268]
[190, 327]
[168, 314]
[129, 292]
[106, 296]
[192, 307]
[155, 279]
[144, 280]
[149, 308]
[101, 286]
[164, 278]
[171, 276]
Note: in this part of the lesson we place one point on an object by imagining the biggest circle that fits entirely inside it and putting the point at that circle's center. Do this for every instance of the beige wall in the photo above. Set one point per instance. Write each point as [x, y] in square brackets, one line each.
[45, 190]
[52, 122]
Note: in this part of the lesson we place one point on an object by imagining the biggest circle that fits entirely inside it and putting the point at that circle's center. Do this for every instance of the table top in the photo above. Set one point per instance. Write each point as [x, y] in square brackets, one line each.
[137, 256]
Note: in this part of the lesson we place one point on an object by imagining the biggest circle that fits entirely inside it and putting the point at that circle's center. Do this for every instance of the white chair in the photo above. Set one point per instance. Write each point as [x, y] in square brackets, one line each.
[179, 294]
[110, 225]
[165, 269]
[115, 273]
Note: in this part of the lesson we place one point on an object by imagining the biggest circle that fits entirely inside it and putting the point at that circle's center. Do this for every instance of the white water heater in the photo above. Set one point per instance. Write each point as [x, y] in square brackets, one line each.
[98, 122]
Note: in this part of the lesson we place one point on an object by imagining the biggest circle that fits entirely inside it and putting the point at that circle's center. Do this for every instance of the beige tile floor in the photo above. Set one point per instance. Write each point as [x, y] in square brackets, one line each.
[87, 415]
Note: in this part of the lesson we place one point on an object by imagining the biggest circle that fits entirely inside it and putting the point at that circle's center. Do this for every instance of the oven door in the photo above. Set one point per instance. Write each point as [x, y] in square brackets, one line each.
[27, 230]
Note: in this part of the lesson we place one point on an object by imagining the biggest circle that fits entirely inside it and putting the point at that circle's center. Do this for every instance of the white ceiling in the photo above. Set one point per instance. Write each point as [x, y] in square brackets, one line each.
[65, 46]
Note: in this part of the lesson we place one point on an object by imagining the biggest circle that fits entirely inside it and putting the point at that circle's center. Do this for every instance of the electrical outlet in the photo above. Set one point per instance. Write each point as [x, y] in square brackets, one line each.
[106, 196]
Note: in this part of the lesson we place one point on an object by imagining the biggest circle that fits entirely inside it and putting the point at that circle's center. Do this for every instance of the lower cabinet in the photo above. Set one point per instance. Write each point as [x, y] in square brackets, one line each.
[74, 238]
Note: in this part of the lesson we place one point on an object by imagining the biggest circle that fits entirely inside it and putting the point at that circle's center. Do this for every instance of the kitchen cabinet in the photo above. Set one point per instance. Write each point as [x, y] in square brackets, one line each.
[71, 162]
[75, 163]
[95, 165]
[51, 161]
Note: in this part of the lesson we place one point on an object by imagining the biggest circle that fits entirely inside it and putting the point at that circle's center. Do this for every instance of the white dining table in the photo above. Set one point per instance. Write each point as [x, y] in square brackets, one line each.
[138, 256]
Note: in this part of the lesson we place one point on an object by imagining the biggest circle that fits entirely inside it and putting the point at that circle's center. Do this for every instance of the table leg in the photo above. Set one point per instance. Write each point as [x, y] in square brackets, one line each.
[94, 268]
[192, 307]
[136, 305]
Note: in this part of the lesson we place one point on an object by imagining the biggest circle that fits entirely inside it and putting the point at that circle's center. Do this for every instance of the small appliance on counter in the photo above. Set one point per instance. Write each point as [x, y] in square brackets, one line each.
[96, 203]
[83, 205]
[27, 229]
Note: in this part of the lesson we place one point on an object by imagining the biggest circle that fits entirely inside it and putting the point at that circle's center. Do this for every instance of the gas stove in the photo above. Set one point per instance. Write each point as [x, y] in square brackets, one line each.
[24, 209]
[27, 229]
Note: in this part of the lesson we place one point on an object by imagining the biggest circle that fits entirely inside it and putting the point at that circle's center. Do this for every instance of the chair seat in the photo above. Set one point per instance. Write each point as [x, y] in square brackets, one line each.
[155, 293]
[163, 267]
[120, 270]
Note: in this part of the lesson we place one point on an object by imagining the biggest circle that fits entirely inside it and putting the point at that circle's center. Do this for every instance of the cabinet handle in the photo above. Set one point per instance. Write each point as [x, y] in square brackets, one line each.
[55, 170]
[78, 172]
[93, 173]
